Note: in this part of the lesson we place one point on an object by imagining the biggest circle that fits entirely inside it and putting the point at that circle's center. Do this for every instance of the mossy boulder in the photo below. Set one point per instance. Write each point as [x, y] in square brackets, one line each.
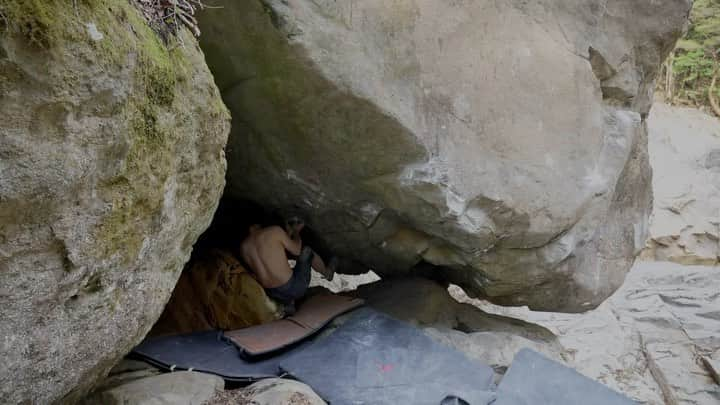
[111, 165]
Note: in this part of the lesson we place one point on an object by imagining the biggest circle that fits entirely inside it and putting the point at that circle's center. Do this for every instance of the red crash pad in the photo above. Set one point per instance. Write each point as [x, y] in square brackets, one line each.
[316, 312]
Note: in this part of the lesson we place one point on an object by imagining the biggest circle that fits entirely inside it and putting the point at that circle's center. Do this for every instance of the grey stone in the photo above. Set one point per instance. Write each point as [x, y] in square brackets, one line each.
[685, 224]
[712, 161]
[111, 166]
[665, 311]
[278, 391]
[180, 388]
[114, 380]
[501, 142]
[127, 365]
[487, 337]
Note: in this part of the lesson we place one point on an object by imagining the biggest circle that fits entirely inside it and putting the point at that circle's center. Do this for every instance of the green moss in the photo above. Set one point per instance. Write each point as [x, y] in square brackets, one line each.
[57, 31]
[145, 125]
[120, 229]
[46, 24]
[160, 87]
[36, 20]
[94, 284]
[137, 193]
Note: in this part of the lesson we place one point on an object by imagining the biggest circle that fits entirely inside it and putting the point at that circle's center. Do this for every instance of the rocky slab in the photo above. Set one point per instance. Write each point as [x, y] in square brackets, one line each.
[685, 156]
[648, 337]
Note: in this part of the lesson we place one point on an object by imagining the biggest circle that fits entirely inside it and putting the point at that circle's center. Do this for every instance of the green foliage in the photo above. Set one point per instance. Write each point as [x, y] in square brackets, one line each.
[692, 66]
[694, 60]
[688, 45]
[705, 22]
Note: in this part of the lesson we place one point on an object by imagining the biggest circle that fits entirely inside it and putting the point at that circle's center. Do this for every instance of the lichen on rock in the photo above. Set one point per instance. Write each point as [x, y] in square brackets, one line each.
[112, 165]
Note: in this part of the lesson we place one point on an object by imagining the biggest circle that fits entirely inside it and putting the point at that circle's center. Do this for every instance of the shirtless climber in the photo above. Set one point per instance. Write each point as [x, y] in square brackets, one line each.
[264, 251]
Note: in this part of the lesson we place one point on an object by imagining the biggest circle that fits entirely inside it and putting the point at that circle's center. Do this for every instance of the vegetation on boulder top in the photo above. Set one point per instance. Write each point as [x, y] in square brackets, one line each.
[689, 71]
[171, 14]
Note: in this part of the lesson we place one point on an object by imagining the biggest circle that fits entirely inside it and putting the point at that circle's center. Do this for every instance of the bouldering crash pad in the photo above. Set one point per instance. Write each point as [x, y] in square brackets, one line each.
[217, 353]
[314, 313]
[371, 358]
[206, 352]
[534, 379]
[375, 359]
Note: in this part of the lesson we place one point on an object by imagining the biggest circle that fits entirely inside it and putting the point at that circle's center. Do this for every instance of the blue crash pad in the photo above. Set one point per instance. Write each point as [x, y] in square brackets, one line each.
[375, 359]
[534, 379]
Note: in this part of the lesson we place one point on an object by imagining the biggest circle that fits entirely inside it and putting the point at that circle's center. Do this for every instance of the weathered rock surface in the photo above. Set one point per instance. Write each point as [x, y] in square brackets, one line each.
[216, 292]
[343, 282]
[180, 388]
[123, 373]
[111, 165]
[664, 311]
[277, 391]
[503, 142]
[487, 337]
[685, 156]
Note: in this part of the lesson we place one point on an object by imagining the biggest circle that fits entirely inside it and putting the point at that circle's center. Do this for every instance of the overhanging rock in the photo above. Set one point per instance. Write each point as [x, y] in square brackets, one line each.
[503, 143]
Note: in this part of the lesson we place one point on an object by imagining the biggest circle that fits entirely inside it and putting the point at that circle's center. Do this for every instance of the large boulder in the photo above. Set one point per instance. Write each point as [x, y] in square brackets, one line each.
[180, 388]
[503, 143]
[685, 156]
[111, 165]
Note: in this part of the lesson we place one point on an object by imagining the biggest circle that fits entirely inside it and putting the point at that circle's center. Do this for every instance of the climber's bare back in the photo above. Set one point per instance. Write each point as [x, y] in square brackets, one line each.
[264, 251]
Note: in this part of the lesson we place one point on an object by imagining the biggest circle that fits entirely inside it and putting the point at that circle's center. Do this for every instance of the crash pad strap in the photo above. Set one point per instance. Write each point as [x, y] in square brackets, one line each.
[205, 352]
[316, 312]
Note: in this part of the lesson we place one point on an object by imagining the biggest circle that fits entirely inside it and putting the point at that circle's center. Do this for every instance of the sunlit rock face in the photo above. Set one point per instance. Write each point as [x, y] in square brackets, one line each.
[685, 156]
[503, 143]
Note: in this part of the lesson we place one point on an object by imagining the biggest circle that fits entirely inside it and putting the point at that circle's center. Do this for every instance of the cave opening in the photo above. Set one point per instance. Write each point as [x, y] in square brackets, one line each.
[216, 290]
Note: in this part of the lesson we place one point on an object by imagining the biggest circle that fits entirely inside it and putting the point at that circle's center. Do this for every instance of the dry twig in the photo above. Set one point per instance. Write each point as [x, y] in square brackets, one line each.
[711, 94]
[173, 13]
[712, 368]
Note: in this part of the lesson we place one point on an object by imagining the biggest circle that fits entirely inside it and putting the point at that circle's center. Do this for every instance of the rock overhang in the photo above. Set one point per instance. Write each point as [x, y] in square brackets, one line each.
[504, 144]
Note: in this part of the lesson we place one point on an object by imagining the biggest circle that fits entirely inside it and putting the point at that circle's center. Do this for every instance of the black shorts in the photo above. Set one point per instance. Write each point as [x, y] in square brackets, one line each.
[298, 284]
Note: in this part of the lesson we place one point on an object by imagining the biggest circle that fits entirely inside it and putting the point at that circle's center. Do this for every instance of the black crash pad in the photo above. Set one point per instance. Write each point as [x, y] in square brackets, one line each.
[206, 352]
[534, 379]
[374, 359]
